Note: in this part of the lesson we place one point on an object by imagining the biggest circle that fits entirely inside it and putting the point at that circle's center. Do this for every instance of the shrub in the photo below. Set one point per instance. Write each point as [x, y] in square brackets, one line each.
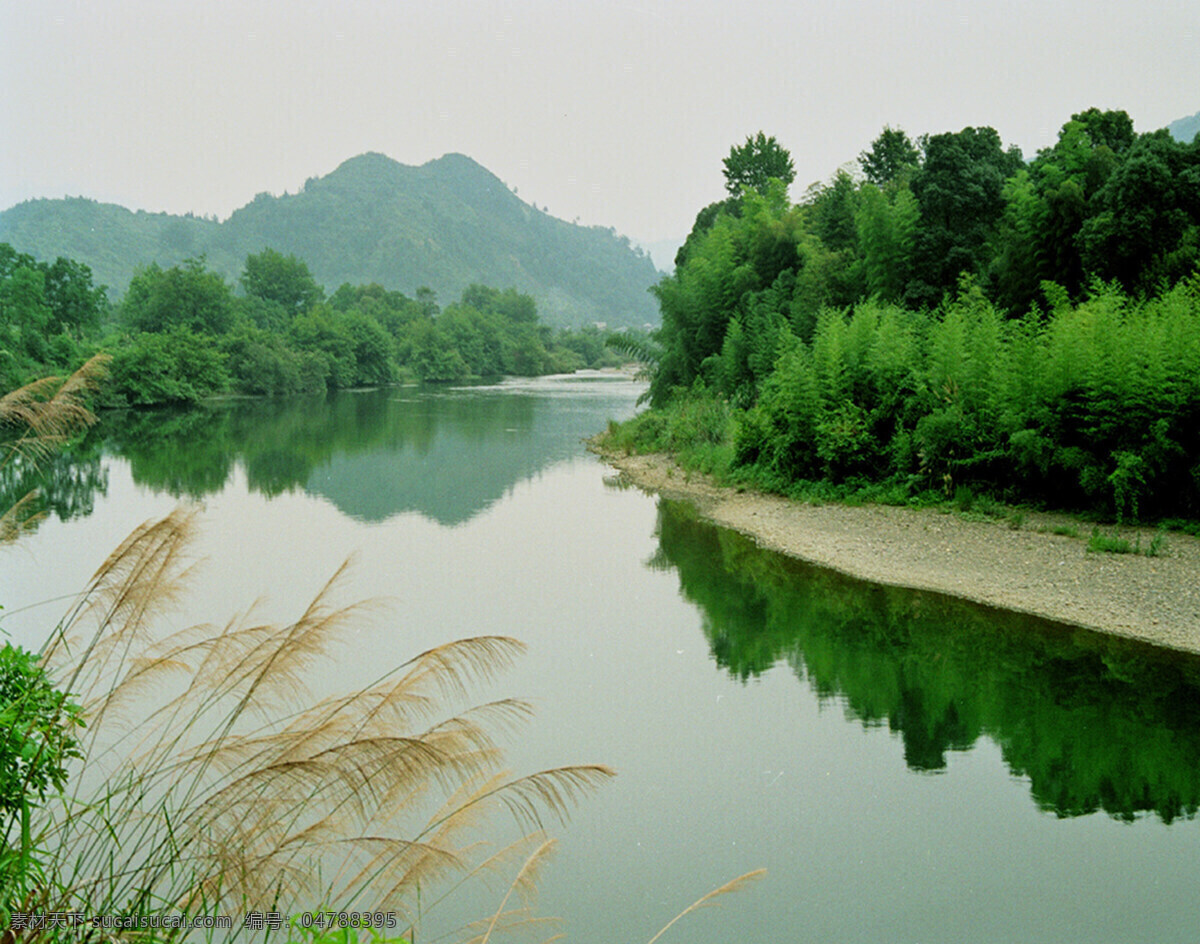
[38, 727]
[174, 366]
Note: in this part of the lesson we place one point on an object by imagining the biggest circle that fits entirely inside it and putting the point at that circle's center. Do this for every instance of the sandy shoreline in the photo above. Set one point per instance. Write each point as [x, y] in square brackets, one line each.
[1152, 599]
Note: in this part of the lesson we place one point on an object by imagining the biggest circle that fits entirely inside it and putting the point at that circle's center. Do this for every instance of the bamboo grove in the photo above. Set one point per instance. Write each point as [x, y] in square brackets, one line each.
[951, 318]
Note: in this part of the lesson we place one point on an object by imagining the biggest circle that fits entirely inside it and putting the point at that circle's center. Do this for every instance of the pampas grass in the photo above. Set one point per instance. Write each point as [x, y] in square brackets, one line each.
[210, 783]
[37, 420]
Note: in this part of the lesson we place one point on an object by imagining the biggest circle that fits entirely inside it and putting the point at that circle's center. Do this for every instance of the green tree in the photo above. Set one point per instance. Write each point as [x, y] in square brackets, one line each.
[887, 229]
[739, 255]
[960, 189]
[76, 304]
[703, 223]
[23, 309]
[171, 366]
[187, 295]
[759, 160]
[890, 156]
[1039, 235]
[832, 210]
[274, 277]
[325, 332]
[1110, 129]
[1147, 228]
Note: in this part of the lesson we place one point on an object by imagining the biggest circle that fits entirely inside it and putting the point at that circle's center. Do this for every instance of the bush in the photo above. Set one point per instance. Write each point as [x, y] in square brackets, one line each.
[175, 366]
[37, 740]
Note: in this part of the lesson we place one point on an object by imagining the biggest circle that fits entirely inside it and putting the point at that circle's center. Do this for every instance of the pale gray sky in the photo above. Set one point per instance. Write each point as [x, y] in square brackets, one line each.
[616, 113]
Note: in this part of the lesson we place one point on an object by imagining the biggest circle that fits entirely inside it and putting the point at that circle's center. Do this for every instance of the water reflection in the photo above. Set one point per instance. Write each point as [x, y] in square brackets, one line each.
[65, 486]
[1094, 722]
[447, 454]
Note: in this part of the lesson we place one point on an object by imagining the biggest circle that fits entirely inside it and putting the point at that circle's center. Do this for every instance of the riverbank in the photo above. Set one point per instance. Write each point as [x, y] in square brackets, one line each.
[1029, 569]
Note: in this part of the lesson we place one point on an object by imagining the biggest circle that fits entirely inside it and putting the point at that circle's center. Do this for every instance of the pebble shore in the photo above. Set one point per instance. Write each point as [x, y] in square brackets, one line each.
[1029, 569]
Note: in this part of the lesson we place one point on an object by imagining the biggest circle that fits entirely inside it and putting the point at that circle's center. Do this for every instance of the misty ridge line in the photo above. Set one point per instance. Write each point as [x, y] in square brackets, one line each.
[445, 225]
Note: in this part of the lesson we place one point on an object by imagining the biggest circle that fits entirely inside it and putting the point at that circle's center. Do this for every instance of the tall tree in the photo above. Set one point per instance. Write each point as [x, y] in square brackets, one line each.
[759, 160]
[960, 189]
[76, 305]
[274, 277]
[1111, 129]
[1147, 228]
[891, 154]
[187, 295]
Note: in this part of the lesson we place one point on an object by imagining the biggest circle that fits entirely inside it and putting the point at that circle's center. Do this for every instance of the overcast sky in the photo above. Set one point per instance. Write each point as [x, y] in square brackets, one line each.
[614, 113]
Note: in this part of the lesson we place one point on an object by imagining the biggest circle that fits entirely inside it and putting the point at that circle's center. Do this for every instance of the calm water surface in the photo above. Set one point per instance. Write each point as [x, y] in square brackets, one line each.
[908, 768]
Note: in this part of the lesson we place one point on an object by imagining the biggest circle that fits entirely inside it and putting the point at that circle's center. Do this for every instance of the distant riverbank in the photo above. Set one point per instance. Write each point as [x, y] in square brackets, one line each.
[1029, 569]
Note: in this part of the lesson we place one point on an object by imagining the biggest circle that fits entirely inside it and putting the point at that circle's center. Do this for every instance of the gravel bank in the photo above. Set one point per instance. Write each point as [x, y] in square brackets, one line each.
[1155, 600]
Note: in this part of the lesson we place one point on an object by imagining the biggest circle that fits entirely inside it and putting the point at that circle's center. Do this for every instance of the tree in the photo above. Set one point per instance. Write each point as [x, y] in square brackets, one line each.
[274, 277]
[890, 155]
[1147, 228]
[187, 295]
[170, 366]
[1111, 129]
[960, 189]
[886, 236]
[760, 159]
[703, 223]
[76, 305]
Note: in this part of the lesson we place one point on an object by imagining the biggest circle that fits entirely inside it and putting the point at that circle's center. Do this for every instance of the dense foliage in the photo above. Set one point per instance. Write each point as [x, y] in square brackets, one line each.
[46, 309]
[182, 334]
[446, 224]
[957, 318]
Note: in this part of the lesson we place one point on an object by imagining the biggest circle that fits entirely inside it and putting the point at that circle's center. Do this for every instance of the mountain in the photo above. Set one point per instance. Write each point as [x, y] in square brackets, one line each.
[1185, 129]
[444, 224]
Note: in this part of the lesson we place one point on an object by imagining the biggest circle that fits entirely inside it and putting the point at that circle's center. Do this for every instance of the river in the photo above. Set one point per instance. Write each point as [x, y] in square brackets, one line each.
[906, 767]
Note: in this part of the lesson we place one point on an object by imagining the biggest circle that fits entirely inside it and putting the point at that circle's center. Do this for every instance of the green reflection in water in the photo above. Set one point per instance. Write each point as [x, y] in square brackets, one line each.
[66, 485]
[1094, 722]
[445, 453]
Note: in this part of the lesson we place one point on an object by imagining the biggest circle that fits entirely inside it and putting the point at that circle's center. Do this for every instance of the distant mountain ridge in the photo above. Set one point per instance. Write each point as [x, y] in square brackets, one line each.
[1185, 129]
[444, 224]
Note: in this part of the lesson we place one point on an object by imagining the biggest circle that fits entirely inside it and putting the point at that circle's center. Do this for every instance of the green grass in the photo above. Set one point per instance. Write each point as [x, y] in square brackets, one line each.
[1107, 544]
[1114, 544]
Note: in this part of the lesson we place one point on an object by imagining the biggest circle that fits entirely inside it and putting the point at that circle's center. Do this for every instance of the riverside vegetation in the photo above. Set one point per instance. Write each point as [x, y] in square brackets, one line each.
[181, 334]
[951, 324]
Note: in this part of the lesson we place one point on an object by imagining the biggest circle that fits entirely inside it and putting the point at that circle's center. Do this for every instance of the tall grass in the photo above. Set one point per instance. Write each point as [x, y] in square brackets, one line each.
[210, 782]
[35, 421]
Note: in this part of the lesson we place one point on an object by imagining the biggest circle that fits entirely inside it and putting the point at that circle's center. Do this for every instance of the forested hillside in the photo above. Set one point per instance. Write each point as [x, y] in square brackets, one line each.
[445, 225]
[951, 319]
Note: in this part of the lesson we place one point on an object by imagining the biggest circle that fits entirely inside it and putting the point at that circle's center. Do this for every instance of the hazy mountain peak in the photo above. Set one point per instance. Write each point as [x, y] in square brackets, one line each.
[445, 224]
[1185, 129]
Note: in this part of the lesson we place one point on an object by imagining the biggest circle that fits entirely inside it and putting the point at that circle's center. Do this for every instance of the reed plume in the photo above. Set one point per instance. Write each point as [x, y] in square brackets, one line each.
[36, 420]
[210, 782]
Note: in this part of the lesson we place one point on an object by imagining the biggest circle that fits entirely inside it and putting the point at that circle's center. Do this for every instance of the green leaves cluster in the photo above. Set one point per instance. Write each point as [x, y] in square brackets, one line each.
[1094, 406]
[752, 165]
[37, 740]
[37, 725]
[46, 309]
